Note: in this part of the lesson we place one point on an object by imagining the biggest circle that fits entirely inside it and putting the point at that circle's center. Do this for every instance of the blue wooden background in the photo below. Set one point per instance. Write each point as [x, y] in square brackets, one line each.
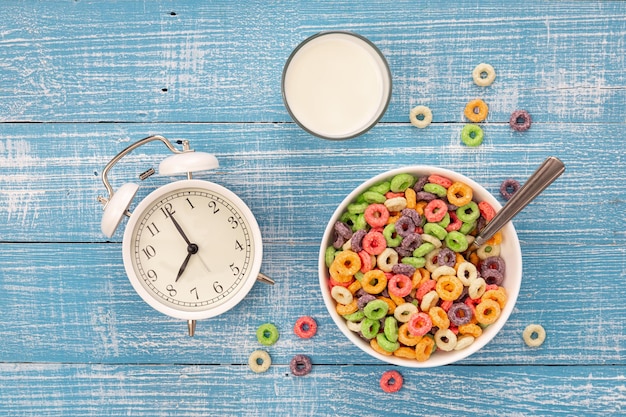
[80, 80]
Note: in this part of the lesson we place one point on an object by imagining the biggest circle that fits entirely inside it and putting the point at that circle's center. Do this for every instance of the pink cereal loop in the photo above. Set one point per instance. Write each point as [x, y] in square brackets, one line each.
[391, 194]
[419, 324]
[366, 261]
[425, 288]
[335, 283]
[435, 210]
[305, 327]
[374, 243]
[376, 215]
[391, 381]
[486, 210]
[455, 223]
[400, 285]
[445, 305]
[438, 179]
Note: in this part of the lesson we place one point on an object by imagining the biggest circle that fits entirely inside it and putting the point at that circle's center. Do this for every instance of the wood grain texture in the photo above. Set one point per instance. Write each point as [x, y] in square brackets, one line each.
[81, 80]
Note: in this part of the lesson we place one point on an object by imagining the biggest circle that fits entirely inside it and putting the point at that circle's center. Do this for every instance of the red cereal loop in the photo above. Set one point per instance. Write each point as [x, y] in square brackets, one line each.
[435, 210]
[391, 194]
[376, 215]
[399, 285]
[391, 381]
[486, 210]
[438, 179]
[374, 243]
[423, 289]
[366, 261]
[305, 327]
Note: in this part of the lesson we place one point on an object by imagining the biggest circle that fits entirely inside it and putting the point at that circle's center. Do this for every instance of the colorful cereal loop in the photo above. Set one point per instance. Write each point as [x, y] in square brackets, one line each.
[341, 295]
[467, 273]
[374, 345]
[300, 365]
[435, 210]
[259, 361]
[439, 317]
[385, 344]
[424, 348]
[499, 296]
[419, 324]
[449, 287]
[440, 180]
[376, 215]
[420, 116]
[401, 182]
[374, 281]
[459, 194]
[487, 311]
[348, 263]
[400, 285]
[405, 337]
[429, 301]
[483, 75]
[445, 339]
[404, 352]
[343, 309]
[534, 335]
[464, 341]
[471, 329]
[520, 120]
[472, 135]
[374, 243]
[404, 311]
[476, 111]
[267, 334]
[391, 381]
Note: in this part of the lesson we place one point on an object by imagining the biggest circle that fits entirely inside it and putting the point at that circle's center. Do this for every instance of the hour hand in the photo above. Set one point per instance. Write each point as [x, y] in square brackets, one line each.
[191, 250]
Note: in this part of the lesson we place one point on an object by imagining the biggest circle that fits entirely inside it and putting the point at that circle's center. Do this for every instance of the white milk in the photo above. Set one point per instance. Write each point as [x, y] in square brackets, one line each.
[336, 85]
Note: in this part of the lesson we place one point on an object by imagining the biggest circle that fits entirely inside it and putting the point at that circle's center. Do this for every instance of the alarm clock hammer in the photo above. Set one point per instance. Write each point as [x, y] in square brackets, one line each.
[204, 225]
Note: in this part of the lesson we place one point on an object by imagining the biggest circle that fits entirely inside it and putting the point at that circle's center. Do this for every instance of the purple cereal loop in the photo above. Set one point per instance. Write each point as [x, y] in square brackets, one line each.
[410, 242]
[446, 257]
[509, 184]
[518, 125]
[492, 277]
[343, 230]
[339, 241]
[424, 196]
[459, 314]
[405, 226]
[357, 238]
[404, 252]
[403, 269]
[493, 262]
[419, 184]
[452, 207]
[300, 365]
[413, 215]
[362, 301]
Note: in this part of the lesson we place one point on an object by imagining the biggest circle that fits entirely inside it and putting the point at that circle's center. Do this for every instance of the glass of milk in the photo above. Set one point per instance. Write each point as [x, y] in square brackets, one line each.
[336, 85]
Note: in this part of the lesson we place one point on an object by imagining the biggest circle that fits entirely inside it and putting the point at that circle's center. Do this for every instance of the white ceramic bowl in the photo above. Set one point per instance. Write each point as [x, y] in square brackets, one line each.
[510, 252]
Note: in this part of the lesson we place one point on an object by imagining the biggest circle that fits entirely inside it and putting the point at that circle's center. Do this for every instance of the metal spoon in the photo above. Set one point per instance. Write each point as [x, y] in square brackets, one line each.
[545, 175]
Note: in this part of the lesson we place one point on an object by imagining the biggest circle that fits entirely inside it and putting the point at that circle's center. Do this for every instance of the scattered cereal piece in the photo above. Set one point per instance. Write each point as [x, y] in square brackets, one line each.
[534, 335]
[305, 327]
[484, 75]
[476, 110]
[267, 334]
[520, 120]
[472, 135]
[508, 188]
[300, 365]
[259, 361]
[391, 381]
[420, 116]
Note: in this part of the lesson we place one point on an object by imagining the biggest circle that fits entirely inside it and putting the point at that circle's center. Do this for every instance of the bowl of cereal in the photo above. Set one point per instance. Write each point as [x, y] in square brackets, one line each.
[399, 274]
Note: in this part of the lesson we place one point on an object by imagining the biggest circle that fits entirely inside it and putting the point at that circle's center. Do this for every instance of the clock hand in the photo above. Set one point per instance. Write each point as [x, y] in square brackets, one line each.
[180, 230]
[192, 249]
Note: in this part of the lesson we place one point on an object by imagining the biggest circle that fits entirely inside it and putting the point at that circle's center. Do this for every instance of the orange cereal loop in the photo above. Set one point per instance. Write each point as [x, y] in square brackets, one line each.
[424, 348]
[420, 276]
[449, 287]
[498, 296]
[343, 309]
[419, 207]
[404, 352]
[458, 261]
[374, 344]
[348, 262]
[439, 317]
[459, 194]
[411, 198]
[334, 274]
[487, 311]
[471, 329]
[354, 287]
[476, 111]
[393, 219]
[495, 239]
[390, 303]
[405, 337]
[474, 259]
[374, 281]
[397, 300]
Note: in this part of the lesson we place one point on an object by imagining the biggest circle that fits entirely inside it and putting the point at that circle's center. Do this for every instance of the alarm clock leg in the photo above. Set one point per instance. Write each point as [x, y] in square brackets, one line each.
[265, 279]
[191, 325]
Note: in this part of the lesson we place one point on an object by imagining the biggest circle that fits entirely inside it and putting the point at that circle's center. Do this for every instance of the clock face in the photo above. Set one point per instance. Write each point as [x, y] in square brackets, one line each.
[192, 249]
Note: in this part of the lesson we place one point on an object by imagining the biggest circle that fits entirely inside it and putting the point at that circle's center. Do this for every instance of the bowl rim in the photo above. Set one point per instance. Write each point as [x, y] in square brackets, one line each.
[513, 277]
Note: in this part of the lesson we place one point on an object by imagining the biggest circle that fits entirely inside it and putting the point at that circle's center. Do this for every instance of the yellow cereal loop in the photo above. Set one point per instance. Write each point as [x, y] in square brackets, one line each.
[498, 296]
[390, 303]
[348, 262]
[334, 274]
[439, 317]
[374, 344]
[487, 311]
[405, 337]
[393, 219]
[419, 207]
[404, 352]
[355, 286]
[343, 309]
[459, 194]
[424, 348]
[449, 287]
[471, 329]
[374, 281]
[396, 300]
[411, 198]
[420, 276]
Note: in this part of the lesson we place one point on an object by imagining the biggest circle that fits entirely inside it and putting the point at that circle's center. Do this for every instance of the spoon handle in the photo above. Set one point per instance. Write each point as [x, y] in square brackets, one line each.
[545, 175]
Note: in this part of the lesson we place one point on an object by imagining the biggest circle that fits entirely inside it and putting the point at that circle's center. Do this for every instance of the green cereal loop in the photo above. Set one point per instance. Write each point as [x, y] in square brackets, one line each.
[423, 250]
[445, 221]
[358, 276]
[416, 262]
[357, 208]
[468, 213]
[267, 334]
[370, 328]
[391, 329]
[329, 255]
[388, 232]
[435, 230]
[466, 228]
[401, 182]
[354, 317]
[374, 197]
[381, 188]
[376, 309]
[456, 241]
[436, 189]
[387, 345]
[359, 223]
[472, 135]
[348, 218]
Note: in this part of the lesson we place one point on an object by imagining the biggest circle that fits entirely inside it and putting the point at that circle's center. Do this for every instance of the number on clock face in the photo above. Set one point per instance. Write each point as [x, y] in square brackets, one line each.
[192, 249]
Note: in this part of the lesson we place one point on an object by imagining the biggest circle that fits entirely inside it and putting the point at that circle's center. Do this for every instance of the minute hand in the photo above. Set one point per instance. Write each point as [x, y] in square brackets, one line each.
[180, 229]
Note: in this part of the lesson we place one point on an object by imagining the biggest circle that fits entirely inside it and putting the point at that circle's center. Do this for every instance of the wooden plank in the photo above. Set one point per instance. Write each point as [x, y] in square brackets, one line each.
[50, 174]
[184, 61]
[96, 390]
[72, 303]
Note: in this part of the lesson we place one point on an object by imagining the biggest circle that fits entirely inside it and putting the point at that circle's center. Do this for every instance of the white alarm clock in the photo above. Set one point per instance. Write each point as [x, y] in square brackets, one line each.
[192, 249]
